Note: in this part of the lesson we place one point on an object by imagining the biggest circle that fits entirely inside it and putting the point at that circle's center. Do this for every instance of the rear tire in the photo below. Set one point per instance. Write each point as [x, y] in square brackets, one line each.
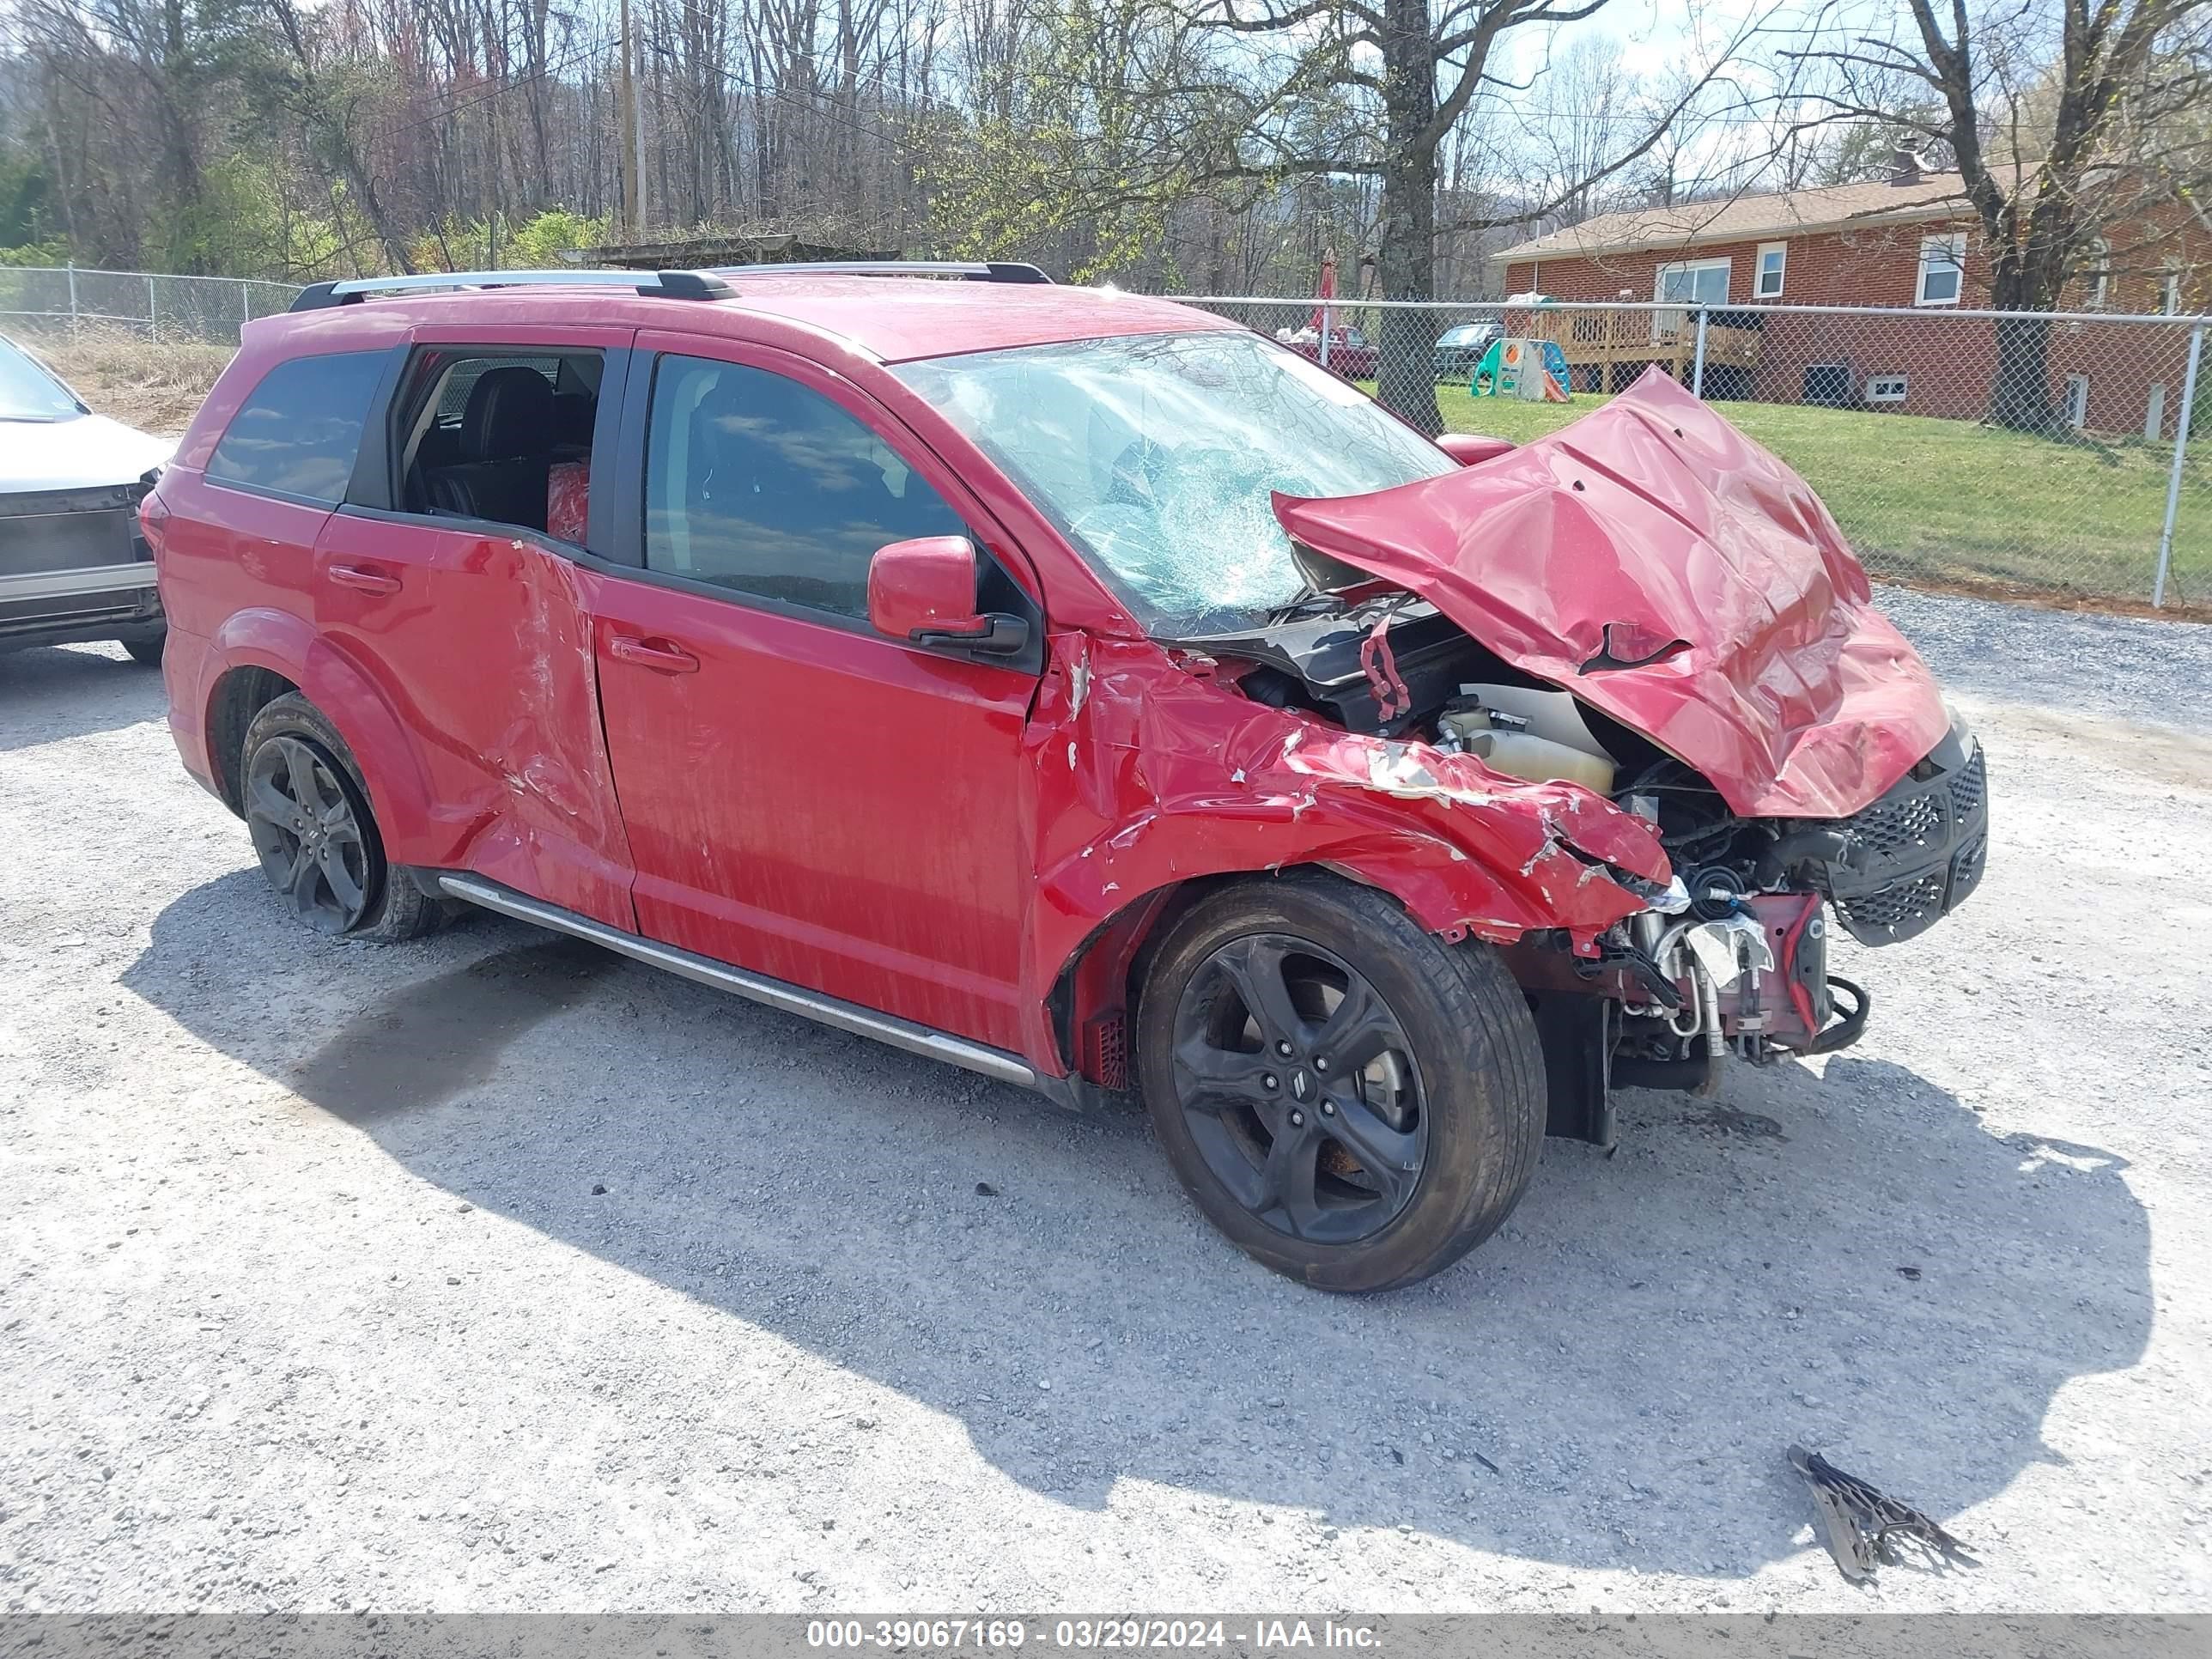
[146, 650]
[307, 808]
[1370, 1125]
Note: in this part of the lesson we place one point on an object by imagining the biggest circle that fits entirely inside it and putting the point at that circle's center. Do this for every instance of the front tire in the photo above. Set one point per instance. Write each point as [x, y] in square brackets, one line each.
[146, 648]
[1354, 1103]
[307, 811]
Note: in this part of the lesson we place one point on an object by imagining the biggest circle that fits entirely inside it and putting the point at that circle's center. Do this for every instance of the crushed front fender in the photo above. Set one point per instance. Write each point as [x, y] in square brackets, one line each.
[1147, 772]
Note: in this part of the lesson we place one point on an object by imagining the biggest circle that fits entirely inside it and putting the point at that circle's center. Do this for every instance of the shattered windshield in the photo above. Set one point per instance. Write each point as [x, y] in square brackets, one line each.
[1155, 455]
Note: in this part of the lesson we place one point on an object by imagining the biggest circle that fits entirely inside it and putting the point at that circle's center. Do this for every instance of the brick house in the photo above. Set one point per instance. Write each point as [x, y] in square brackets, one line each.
[1909, 242]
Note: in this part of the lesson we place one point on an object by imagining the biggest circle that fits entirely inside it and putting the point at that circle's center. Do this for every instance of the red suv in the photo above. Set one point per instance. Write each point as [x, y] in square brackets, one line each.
[1074, 687]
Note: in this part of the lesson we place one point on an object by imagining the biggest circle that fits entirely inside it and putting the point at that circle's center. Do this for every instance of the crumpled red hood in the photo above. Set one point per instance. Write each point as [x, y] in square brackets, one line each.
[1659, 565]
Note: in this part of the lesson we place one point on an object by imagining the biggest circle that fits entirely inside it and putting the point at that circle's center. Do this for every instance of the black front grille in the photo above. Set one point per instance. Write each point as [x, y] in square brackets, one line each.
[1969, 787]
[1917, 852]
[1897, 911]
[1966, 868]
[1892, 828]
[87, 538]
[100, 498]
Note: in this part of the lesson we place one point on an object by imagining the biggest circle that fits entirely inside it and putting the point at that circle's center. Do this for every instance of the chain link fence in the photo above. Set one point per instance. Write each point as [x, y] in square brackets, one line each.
[207, 310]
[2022, 453]
[2017, 453]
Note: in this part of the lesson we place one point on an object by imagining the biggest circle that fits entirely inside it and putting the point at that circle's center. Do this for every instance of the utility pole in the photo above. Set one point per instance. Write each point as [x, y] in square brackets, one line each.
[626, 113]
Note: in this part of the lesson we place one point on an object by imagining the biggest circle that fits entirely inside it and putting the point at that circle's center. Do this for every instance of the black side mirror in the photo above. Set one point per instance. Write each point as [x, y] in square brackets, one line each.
[1000, 635]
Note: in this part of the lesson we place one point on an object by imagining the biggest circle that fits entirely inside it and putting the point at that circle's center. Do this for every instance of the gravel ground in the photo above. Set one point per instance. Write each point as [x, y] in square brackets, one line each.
[492, 1272]
[2119, 668]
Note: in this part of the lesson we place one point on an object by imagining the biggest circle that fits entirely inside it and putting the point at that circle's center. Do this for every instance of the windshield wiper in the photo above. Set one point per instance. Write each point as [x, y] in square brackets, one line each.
[1310, 603]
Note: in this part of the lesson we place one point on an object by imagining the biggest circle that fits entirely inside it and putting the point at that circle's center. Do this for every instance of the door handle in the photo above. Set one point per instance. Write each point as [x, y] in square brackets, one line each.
[656, 654]
[364, 579]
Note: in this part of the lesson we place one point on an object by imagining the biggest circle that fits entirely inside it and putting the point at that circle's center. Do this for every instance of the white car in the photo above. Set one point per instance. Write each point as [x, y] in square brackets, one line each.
[73, 565]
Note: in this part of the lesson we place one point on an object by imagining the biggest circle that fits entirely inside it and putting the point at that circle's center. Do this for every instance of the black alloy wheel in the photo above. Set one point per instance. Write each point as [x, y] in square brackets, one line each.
[309, 812]
[1354, 1101]
[1300, 1089]
[304, 830]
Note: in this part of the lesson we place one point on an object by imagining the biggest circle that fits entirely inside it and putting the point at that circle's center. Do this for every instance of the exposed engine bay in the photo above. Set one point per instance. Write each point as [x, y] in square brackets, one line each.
[1732, 959]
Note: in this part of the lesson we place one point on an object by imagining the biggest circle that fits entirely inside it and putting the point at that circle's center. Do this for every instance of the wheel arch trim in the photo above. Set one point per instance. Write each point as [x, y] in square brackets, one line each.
[389, 760]
[1099, 971]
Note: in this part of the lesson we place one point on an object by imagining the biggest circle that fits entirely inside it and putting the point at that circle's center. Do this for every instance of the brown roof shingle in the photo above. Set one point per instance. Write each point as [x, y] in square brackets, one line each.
[1739, 218]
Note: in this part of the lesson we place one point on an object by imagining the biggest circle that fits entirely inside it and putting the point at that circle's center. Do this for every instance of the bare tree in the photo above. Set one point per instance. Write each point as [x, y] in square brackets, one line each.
[324, 115]
[1591, 113]
[2065, 119]
[1223, 142]
[1402, 75]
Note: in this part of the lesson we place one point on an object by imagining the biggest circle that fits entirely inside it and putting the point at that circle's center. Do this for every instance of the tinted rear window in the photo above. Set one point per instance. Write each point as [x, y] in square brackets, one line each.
[299, 430]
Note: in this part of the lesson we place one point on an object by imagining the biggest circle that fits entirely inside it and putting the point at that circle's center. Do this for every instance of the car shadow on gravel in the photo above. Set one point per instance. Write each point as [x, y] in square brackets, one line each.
[1854, 1261]
[51, 693]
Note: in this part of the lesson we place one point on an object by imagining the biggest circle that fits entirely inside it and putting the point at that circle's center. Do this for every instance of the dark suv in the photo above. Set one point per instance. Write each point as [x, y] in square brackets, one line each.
[1073, 687]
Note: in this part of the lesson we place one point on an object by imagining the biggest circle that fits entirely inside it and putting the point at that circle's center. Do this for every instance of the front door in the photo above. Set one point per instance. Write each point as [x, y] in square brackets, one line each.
[802, 797]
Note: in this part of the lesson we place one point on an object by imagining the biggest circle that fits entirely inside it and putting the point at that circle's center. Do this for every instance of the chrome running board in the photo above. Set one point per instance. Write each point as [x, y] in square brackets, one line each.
[754, 987]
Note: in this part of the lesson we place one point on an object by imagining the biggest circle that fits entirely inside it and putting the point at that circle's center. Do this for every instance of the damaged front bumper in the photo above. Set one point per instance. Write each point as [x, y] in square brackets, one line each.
[1917, 853]
[1754, 979]
[1719, 970]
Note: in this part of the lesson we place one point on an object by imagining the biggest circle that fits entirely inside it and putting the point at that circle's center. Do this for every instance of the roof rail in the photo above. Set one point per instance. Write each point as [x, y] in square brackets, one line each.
[980, 271]
[664, 284]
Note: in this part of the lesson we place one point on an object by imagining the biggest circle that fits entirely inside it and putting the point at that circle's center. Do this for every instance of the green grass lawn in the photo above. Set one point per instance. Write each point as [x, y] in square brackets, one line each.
[1952, 501]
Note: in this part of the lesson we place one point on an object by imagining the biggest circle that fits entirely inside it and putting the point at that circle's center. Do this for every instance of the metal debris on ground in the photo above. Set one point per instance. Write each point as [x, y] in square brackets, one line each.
[1859, 1523]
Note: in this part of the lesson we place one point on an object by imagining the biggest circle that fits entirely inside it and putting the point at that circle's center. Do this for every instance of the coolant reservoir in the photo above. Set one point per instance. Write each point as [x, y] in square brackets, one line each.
[1518, 755]
[1521, 755]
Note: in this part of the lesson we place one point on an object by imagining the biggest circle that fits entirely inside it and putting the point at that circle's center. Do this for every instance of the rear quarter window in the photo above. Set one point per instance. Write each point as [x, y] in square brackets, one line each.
[298, 432]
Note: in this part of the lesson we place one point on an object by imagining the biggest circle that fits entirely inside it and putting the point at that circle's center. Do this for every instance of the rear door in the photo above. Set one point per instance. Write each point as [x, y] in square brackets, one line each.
[802, 796]
[476, 630]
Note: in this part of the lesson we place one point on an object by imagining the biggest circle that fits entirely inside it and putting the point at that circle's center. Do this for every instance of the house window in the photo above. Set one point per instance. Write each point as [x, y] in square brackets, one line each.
[1942, 269]
[1773, 260]
[2100, 273]
[1693, 282]
[2169, 289]
[1885, 388]
[1826, 385]
[2077, 401]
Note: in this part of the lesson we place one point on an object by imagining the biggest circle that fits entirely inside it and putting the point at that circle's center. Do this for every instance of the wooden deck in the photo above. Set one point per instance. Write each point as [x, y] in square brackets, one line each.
[1622, 344]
